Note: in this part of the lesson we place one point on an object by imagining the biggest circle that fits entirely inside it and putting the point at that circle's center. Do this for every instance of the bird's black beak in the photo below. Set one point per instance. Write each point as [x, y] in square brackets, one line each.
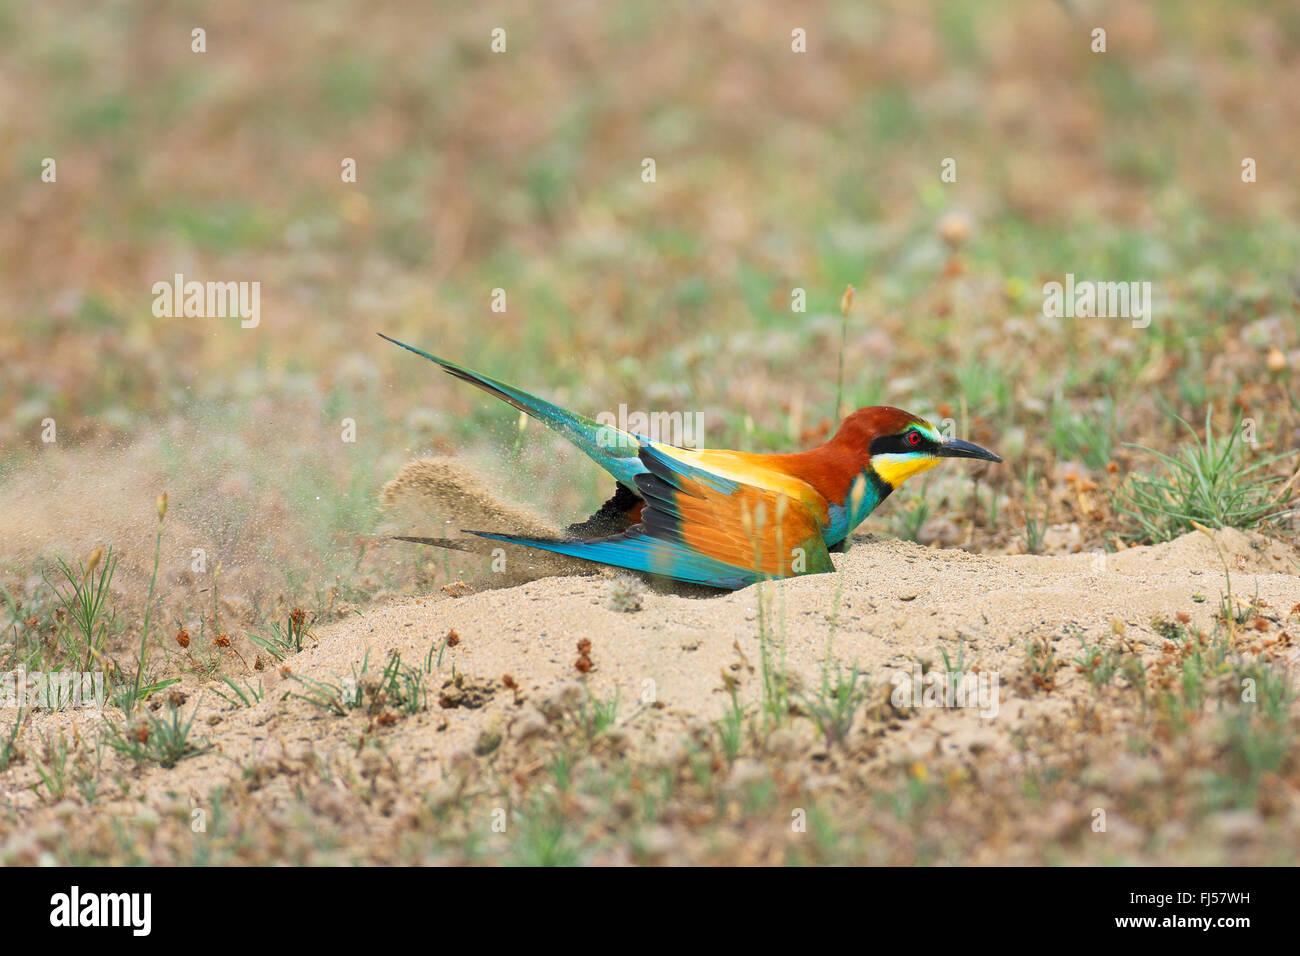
[956, 448]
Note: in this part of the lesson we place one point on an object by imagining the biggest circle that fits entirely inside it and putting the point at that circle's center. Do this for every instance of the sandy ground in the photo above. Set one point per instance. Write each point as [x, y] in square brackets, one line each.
[670, 662]
[898, 602]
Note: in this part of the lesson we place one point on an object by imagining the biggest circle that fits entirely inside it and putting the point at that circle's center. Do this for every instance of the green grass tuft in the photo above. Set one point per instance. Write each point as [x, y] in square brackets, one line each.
[1210, 482]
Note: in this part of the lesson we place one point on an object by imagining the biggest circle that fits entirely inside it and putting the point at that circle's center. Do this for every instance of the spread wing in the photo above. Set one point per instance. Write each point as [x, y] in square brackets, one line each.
[723, 519]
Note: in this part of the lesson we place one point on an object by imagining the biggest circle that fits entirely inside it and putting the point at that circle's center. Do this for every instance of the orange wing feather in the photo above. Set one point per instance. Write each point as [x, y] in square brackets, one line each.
[735, 508]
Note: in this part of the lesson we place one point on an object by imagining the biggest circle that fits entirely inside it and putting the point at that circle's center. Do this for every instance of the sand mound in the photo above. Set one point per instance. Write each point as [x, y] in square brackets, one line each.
[897, 602]
[892, 607]
[438, 497]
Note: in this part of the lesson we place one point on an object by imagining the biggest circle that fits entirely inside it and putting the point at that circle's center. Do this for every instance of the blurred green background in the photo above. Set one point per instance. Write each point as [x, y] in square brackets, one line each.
[522, 171]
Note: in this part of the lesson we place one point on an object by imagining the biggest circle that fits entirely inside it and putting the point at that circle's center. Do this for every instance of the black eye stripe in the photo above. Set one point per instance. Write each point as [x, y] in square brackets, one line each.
[901, 443]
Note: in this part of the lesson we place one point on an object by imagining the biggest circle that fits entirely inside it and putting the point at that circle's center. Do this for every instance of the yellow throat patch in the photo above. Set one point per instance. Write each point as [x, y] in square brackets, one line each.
[896, 469]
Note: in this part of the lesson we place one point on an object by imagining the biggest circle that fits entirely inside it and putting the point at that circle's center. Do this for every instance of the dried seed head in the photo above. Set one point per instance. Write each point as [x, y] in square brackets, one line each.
[162, 506]
[582, 664]
[954, 230]
[452, 638]
[221, 640]
[1276, 361]
[183, 637]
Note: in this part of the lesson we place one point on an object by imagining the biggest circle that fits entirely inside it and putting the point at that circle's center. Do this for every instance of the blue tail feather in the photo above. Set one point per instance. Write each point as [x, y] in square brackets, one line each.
[636, 551]
[596, 440]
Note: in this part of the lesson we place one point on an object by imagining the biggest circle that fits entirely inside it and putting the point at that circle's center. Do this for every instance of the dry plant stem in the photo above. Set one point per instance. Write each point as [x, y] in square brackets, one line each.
[846, 302]
[144, 633]
[1290, 482]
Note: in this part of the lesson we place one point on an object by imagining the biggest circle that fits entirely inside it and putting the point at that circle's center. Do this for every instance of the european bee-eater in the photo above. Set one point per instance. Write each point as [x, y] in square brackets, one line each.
[727, 519]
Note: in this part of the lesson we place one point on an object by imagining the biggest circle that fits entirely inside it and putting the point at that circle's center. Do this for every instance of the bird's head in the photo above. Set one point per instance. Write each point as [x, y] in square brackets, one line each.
[899, 444]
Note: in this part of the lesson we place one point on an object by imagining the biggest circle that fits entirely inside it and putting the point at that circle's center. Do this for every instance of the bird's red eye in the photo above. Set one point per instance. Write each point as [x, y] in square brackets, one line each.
[914, 438]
